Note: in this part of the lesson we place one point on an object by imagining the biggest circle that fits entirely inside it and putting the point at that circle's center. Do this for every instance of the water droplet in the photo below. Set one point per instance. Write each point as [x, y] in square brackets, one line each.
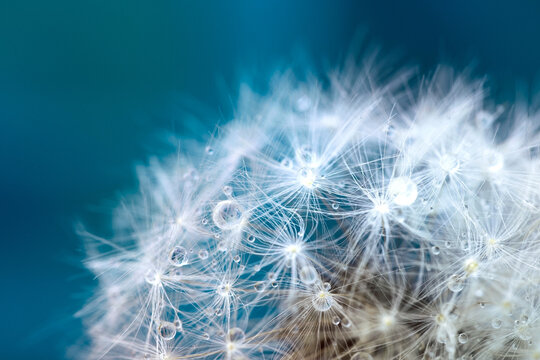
[523, 330]
[336, 320]
[152, 277]
[236, 258]
[346, 322]
[322, 301]
[335, 206]
[435, 250]
[209, 150]
[206, 336]
[308, 274]
[227, 190]
[496, 323]
[463, 338]
[178, 256]
[455, 283]
[235, 335]
[259, 287]
[251, 238]
[203, 254]
[178, 324]
[228, 215]
[167, 330]
[326, 286]
[449, 163]
[403, 191]
[287, 163]
[493, 160]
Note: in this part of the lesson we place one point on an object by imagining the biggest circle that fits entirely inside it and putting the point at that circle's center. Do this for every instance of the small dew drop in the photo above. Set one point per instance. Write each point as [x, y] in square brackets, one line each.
[287, 163]
[203, 254]
[236, 258]
[496, 323]
[455, 283]
[336, 320]
[335, 206]
[435, 250]
[259, 287]
[463, 338]
[178, 256]
[227, 190]
[251, 238]
[209, 150]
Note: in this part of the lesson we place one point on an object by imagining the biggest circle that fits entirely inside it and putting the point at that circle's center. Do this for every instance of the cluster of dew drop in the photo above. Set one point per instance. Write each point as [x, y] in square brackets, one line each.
[287, 260]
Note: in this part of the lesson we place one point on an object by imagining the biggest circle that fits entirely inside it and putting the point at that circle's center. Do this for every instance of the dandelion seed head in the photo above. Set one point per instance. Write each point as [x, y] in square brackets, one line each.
[357, 216]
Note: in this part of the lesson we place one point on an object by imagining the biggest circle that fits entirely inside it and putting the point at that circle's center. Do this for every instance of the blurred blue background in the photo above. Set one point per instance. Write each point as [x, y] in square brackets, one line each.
[86, 87]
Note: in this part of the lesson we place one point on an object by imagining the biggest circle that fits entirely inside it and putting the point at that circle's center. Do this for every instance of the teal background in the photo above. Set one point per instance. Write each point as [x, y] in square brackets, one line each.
[88, 87]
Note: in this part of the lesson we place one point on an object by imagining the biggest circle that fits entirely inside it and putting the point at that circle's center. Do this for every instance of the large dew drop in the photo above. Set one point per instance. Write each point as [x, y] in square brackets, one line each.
[178, 256]
[403, 191]
[236, 335]
[308, 274]
[167, 330]
[228, 215]
[322, 301]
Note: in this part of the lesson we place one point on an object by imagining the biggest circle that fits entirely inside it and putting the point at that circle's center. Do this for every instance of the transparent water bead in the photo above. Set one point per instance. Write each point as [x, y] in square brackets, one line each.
[203, 254]
[463, 338]
[178, 256]
[496, 323]
[522, 330]
[227, 190]
[336, 320]
[362, 356]
[493, 160]
[322, 301]
[455, 283]
[152, 277]
[228, 215]
[167, 330]
[449, 163]
[403, 191]
[308, 274]
[287, 163]
[435, 250]
[235, 335]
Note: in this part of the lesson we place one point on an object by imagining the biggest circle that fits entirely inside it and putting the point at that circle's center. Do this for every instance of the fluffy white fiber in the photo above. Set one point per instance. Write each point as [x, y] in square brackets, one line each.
[355, 217]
